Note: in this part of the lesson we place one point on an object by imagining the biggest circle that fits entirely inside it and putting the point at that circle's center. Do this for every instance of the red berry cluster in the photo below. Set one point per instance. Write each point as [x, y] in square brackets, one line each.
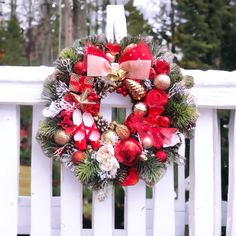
[123, 90]
[93, 96]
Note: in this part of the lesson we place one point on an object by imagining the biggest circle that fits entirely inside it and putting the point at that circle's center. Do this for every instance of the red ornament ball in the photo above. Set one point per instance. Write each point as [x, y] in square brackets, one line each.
[127, 151]
[161, 156]
[132, 178]
[80, 68]
[77, 157]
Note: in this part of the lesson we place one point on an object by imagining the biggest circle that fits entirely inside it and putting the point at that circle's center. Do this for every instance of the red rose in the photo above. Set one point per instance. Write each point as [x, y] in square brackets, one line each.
[113, 48]
[164, 121]
[162, 67]
[132, 178]
[127, 151]
[156, 98]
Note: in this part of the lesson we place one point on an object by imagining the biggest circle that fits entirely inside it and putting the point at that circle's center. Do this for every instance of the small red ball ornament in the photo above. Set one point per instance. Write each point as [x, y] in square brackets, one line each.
[77, 157]
[164, 121]
[79, 68]
[161, 156]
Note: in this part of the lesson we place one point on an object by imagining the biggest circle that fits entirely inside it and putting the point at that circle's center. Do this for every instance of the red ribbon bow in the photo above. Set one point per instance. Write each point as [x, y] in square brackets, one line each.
[136, 60]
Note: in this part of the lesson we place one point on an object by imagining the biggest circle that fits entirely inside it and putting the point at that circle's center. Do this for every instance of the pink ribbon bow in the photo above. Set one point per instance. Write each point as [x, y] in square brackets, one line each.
[136, 60]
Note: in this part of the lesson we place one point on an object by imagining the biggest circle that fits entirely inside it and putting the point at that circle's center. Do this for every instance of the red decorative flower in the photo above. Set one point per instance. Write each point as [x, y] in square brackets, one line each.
[132, 122]
[153, 114]
[164, 121]
[113, 48]
[66, 123]
[132, 177]
[127, 151]
[92, 108]
[156, 98]
[162, 67]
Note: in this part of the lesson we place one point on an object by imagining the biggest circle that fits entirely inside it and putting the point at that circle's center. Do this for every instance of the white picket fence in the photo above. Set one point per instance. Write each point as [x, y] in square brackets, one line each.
[164, 215]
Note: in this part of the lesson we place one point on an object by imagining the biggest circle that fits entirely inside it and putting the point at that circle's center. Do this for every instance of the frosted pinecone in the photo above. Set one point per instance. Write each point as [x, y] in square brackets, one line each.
[101, 86]
[147, 84]
[102, 124]
[64, 65]
[70, 148]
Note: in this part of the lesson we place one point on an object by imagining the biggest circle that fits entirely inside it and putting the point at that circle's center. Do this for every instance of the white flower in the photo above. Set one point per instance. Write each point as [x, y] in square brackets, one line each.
[107, 161]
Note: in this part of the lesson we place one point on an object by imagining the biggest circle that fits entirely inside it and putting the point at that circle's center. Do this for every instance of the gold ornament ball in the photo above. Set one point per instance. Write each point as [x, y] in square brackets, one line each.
[147, 142]
[61, 138]
[109, 137]
[140, 109]
[162, 81]
[111, 57]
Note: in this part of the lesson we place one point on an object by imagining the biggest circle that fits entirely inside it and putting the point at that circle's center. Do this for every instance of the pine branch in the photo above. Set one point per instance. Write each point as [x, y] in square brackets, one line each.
[87, 170]
[151, 170]
[69, 53]
[49, 90]
[47, 128]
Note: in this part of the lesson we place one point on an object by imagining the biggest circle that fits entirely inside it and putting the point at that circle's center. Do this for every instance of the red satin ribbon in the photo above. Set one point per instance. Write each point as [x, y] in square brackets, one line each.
[136, 60]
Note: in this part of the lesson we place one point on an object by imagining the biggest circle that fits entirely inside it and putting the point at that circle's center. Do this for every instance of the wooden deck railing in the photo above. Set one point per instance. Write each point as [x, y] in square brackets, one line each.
[165, 214]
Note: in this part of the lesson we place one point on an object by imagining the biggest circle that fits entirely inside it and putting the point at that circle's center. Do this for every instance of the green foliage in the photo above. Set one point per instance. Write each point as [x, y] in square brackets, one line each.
[47, 128]
[12, 42]
[69, 53]
[151, 170]
[175, 73]
[49, 91]
[183, 115]
[87, 170]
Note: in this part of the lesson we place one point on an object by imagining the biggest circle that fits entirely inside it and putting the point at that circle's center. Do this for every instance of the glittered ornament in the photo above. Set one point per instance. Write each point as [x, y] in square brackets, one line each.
[161, 81]
[80, 68]
[161, 156]
[109, 137]
[61, 138]
[135, 89]
[140, 109]
[122, 131]
[77, 157]
[147, 142]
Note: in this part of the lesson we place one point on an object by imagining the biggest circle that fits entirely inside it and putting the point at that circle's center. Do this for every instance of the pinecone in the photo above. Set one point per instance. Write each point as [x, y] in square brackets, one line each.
[79, 50]
[64, 65]
[102, 124]
[70, 148]
[147, 84]
[136, 90]
[101, 86]
[122, 173]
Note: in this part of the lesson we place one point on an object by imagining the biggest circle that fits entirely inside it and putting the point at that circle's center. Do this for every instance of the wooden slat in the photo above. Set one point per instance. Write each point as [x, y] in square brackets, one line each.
[164, 209]
[231, 209]
[9, 168]
[71, 204]
[202, 192]
[103, 212]
[180, 202]
[41, 184]
[217, 176]
[135, 209]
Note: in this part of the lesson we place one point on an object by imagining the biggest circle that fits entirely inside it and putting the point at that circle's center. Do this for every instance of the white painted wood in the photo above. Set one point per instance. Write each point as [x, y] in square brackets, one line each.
[9, 168]
[202, 194]
[135, 209]
[71, 204]
[103, 211]
[164, 209]
[180, 201]
[116, 23]
[41, 183]
[217, 176]
[231, 214]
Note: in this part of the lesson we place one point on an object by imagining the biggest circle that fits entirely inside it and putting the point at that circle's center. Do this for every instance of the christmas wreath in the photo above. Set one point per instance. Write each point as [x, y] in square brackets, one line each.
[99, 152]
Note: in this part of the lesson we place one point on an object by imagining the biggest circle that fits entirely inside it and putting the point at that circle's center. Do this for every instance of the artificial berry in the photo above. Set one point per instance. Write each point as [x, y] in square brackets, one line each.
[79, 68]
[77, 157]
[161, 156]
[124, 93]
[119, 90]
[95, 97]
[90, 98]
[124, 87]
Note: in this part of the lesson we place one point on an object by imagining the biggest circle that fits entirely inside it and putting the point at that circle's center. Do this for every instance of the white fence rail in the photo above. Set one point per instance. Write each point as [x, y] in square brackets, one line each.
[164, 215]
